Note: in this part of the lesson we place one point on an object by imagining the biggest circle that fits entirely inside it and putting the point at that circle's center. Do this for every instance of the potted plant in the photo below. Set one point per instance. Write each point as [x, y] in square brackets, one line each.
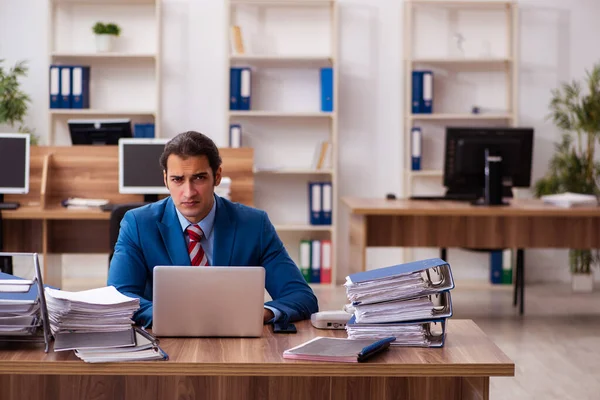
[105, 35]
[13, 101]
[575, 109]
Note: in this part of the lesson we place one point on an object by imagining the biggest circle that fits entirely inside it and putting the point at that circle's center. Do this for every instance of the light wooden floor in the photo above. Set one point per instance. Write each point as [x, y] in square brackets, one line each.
[555, 346]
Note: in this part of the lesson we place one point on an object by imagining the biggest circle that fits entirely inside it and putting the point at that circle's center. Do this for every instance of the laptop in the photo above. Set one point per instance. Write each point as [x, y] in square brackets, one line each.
[208, 301]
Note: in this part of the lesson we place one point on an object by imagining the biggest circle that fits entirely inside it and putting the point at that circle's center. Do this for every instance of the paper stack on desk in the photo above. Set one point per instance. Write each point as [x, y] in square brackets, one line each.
[409, 301]
[96, 310]
[19, 306]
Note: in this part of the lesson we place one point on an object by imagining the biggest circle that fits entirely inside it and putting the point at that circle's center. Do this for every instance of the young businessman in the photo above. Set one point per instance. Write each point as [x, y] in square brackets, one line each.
[196, 227]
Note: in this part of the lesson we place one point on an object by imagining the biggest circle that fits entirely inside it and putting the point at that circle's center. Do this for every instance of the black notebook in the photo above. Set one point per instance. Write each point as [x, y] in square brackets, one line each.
[338, 349]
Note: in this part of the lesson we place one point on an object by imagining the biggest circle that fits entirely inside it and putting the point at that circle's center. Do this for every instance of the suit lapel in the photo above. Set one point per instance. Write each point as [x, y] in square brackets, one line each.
[224, 231]
[172, 235]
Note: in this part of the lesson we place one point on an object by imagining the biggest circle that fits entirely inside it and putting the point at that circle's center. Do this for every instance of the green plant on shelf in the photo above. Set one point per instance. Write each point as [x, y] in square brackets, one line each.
[106, 29]
[14, 102]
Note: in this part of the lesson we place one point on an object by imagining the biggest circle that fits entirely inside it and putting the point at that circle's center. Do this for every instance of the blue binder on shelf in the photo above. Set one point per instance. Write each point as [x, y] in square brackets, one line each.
[245, 89]
[326, 203]
[143, 130]
[434, 331]
[80, 86]
[427, 104]
[234, 88]
[54, 86]
[65, 86]
[417, 92]
[496, 263]
[315, 200]
[235, 136]
[327, 89]
[315, 261]
[416, 142]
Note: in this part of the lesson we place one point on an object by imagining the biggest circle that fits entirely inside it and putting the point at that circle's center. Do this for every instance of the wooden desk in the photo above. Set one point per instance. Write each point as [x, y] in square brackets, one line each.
[254, 369]
[523, 224]
[57, 173]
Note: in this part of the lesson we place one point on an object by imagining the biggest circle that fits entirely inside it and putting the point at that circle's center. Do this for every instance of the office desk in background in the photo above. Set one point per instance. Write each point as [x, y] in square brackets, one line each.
[253, 368]
[57, 173]
[415, 223]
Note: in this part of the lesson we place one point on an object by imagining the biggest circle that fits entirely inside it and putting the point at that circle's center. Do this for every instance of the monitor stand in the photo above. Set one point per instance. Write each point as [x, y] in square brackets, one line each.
[150, 198]
[493, 190]
[6, 264]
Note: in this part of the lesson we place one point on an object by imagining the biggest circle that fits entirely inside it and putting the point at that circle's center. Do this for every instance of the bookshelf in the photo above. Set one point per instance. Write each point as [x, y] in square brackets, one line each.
[286, 43]
[124, 82]
[484, 21]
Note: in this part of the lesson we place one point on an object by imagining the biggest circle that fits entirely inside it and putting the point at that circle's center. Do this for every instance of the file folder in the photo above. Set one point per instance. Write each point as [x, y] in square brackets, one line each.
[337, 349]
[403, 281]
[326, 203]
[65, 87]
[235, 136]
[80, 87]
[326, 261]
[315, 199]
[54, 83]
[416, 141]
[427, 104]
[430, 333]
[417, 92]
[245, 89]
[305, 259]
[315, 263]
[326, 89]
[234, 88]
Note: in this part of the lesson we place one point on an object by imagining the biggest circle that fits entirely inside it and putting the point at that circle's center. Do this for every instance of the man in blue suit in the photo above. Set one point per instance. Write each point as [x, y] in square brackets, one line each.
[165, 233]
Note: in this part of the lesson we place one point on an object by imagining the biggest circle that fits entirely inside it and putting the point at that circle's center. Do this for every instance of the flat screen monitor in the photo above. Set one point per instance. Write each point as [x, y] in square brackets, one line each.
[139, 168]
[99, 131]
[464, 163]
[14, 163]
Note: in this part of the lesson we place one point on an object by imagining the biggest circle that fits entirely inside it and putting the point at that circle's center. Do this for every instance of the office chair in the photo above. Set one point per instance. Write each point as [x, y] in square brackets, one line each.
[116, 215]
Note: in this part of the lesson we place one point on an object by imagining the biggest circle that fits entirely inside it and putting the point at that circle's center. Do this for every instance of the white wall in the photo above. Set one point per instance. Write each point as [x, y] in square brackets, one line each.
[557, 43]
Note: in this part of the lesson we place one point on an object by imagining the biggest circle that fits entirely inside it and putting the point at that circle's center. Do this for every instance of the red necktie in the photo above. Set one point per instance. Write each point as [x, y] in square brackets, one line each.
[197, 255]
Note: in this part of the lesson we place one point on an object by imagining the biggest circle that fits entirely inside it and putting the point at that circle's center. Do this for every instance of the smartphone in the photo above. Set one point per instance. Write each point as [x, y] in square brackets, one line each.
[279, 328]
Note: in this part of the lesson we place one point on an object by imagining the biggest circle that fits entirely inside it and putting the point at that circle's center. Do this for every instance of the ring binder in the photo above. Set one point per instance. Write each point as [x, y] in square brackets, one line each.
[12, 303]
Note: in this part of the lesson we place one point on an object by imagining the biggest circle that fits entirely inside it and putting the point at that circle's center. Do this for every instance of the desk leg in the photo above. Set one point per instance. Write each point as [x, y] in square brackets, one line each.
[521, 268]
[444, 254]
[358, 243]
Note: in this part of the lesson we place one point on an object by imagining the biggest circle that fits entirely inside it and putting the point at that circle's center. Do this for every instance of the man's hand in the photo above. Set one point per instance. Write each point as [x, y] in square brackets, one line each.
[268, 315]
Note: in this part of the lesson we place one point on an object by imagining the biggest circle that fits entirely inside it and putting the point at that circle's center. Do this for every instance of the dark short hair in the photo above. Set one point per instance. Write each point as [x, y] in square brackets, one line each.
[192, 144]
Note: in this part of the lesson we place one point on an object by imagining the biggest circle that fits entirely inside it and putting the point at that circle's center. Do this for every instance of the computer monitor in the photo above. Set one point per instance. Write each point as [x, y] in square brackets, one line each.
[14, 164]
[509, 154]
[139, 168]
[99, 131]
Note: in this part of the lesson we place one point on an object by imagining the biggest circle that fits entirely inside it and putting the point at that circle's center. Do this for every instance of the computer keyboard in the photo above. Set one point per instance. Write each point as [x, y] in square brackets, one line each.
[447, 197]
[9, 206]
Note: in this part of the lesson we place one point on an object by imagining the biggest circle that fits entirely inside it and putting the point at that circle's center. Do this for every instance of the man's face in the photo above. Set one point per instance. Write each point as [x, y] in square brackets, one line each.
[191, 184]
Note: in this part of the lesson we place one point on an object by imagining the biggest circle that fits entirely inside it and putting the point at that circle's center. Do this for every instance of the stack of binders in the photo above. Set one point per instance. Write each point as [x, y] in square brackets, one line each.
[408, 301]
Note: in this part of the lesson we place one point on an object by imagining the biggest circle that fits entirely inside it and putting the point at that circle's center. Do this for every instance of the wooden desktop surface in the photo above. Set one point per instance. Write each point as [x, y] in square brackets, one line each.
[231, 368]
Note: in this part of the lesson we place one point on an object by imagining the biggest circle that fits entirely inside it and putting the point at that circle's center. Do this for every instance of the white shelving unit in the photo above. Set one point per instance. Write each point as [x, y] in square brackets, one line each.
[285, 124]
[502, 60]
[124, 83]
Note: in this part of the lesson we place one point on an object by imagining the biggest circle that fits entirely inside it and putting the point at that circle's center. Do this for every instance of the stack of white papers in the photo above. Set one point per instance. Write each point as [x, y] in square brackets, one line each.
[568, 199]
[19, 306]
[145, 349]
[406, 335]
[97, 310]
[394, 311]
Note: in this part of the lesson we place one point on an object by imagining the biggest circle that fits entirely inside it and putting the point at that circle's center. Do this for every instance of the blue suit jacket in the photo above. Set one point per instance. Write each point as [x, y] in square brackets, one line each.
[151, 235]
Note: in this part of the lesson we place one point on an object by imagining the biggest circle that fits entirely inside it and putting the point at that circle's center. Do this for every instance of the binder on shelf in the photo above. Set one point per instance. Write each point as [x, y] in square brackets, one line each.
[326, 203]
[417, 91]
[315, 199]
[65, 86]
[326, 89]
[416, 142]
[431, 333]
[326, 261]
[143, 130]
[235, 136]
[234, 88]
[55, 86]
[80, 86]
[24, 313]
[237, 43]
[305, 259]
[315, 262]
[507, 267]
[496, 266]
[427, 104]
[245, 89]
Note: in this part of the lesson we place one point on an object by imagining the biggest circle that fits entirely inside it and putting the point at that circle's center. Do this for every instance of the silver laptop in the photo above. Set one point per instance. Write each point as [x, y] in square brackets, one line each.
[208, 301]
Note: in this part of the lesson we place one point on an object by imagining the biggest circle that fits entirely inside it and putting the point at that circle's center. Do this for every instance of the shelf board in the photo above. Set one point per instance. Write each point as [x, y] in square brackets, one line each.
[302, 228]
[427, 172]
[89, 111]
[464, 63]
[456, 116]
[278, 3]
[102, 2]
[103, 56]
[280, 114]
[282, 60]
[292, 171]
[463, 4]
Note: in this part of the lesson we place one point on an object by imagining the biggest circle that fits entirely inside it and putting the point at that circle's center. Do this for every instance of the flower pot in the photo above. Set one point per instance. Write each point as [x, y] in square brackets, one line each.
[582, 283]
[104, 43]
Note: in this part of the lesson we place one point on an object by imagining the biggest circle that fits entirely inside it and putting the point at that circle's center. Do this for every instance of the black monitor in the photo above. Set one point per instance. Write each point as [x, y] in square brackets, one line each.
[99, 132]
[139, 167]
[14, 165]
[487, 162]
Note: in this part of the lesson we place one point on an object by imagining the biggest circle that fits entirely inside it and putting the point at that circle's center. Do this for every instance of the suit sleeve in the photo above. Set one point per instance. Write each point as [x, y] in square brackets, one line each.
[290, 293]
[128, 272]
